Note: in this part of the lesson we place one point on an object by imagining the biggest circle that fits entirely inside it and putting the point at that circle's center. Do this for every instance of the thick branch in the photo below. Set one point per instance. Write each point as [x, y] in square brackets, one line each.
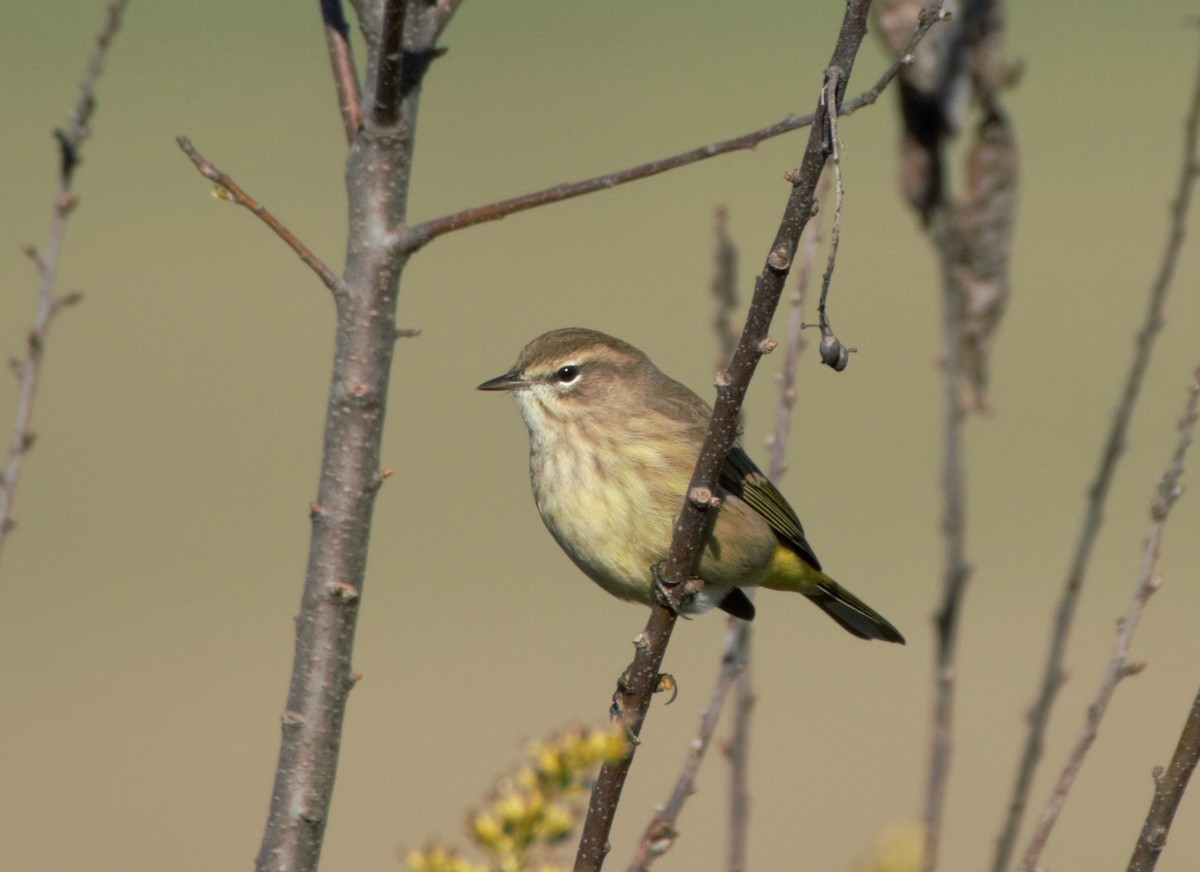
[385, 108]
[28, 369]
[377, 175]
[228, 189]
[634, 694]
[1169, 490]
[1114, 447]
[429, 230]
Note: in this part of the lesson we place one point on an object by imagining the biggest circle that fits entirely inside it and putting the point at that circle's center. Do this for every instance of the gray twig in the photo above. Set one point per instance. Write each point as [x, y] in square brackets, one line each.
[1169, 490]
[28, 369]
[1114, 447]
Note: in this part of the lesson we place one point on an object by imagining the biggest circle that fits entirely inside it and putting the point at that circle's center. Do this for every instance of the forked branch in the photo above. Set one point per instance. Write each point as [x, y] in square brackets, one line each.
[429, 230]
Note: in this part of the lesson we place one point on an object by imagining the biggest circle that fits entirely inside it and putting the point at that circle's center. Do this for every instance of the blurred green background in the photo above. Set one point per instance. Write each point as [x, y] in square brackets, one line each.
[146, 598]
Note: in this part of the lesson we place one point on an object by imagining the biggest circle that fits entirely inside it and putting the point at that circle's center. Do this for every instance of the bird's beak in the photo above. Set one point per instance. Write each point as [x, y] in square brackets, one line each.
[510, 381]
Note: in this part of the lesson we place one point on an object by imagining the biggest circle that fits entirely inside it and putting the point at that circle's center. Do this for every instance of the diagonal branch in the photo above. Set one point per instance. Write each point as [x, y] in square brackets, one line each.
[429, 230]
[345, 79]
[634, 691]
[228, 189]
[660, 833]
[1169, 785]
[1169, 490]
[1052, 677]
[28, 369]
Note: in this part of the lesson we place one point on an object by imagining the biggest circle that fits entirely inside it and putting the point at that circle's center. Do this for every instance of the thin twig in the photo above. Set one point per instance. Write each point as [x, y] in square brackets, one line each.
[955, 568]
[833, 353]
[28, 369]
[1053, 676]
[951, 232]
[741, 632]
[429, 230]
[228, 189]
[660, 834]
[738, 747]
[341, 59]
[1169, 491]
[724, 290]
[639, 681]
[776, 442]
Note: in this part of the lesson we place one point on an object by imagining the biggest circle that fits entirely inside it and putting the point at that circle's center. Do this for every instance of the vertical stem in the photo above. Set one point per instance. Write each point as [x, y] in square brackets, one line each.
[377, 177]
[739, 749]
[955, 570]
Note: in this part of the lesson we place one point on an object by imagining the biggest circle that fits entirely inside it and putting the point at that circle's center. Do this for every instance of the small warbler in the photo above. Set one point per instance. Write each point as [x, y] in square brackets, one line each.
[613, 443]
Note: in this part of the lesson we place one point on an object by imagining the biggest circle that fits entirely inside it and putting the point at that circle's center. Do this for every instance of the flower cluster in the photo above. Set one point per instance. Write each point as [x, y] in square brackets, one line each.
[534, 809]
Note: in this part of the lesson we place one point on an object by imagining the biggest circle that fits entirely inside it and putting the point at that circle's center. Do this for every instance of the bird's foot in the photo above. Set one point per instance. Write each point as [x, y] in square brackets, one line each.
[678, 597]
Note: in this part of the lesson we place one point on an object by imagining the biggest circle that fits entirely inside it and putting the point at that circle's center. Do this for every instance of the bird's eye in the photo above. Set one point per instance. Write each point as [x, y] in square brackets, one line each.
[566, 374]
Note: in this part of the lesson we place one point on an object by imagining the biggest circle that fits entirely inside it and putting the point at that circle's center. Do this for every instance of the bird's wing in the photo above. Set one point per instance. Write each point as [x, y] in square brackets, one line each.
[742, 478]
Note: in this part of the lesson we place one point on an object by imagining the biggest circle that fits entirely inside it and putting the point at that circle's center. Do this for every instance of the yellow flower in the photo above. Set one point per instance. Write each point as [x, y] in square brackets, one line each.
[899, 848]
[486, 829]
[556, 824]
[440, 860]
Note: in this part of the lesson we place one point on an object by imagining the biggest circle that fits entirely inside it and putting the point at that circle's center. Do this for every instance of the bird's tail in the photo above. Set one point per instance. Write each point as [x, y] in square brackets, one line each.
[790, 571]
[853, 614]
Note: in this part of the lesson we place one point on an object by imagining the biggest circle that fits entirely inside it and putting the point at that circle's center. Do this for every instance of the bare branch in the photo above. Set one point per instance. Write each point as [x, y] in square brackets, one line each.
[738, 748]
[929, 105]
[634, 691]
[386, 93]
[955, 568]
[228, 189]
[724, 290]
[345, 77]
[28, 369]
[1169, 490]
[1052, 677]
[833, 353]
[734, 667]
[377, 172]
[1169, 785]
[795, 345]
[660, 833]
[429, 230]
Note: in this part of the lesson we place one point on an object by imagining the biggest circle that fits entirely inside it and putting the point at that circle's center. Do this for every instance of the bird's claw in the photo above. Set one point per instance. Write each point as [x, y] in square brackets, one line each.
[675, 597]
[665, 681]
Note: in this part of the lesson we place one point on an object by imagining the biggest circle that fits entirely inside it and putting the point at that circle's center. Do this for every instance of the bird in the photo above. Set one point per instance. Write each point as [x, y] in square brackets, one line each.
[613, 442]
